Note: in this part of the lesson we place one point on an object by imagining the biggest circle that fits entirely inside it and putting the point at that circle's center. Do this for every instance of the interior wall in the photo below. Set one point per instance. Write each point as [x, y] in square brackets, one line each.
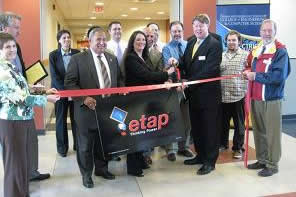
[129, 26]
[30, 27]
[50, 19]
[195, 7]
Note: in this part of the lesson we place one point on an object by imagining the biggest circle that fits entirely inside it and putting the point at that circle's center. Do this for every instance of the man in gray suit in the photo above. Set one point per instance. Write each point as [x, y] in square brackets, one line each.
[92, 69]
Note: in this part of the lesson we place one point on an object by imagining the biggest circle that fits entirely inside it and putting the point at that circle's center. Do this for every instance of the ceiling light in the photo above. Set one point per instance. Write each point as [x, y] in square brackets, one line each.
[100, 3]
[90, 25]
[124, 15]
[133, 9]
[161, 12]
[93, 17]
[147, 18]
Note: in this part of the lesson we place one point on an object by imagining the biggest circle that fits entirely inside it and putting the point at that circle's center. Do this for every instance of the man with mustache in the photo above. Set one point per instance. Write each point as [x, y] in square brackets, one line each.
[268, 69]
[175, 48]
[93, 69]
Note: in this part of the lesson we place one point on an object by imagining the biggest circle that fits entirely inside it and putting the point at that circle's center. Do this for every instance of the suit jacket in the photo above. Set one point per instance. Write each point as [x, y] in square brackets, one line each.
[139, 73]
[205, 64]
[82, 74]
[155, 60]
[19, 53]
[57, 68]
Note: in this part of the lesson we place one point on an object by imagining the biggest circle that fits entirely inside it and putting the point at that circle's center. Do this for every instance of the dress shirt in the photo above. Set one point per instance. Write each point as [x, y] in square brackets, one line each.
[159, 45]
[233, 89]
[66, 58]
[17, 63]
[16, 102]
[98, 68]
[112, 46]
[171, 50]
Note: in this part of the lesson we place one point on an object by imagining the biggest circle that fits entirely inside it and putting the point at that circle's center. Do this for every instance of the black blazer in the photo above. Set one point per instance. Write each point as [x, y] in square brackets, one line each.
[139, 73]
[57, 68]
[205, 64]
[82, 74]
[19, 53]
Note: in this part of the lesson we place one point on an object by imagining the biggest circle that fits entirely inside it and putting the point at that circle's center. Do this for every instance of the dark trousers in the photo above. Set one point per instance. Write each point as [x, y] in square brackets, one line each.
[89, 152]
[205, 133]
[14, 135]
[134, 162]
[61, 111]
[237, 113]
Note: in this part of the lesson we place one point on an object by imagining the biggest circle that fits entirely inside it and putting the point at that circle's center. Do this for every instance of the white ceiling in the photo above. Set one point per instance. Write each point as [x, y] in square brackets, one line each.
[78, 13]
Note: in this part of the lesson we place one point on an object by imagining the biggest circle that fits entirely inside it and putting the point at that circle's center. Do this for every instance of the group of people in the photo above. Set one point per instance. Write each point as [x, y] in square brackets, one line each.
[206, 108]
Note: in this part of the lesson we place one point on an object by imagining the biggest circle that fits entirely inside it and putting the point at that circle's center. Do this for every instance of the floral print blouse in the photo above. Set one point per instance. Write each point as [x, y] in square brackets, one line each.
[16, 102]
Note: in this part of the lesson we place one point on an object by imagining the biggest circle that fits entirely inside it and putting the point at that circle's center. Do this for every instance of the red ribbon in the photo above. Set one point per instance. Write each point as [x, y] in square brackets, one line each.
[124, 90]
[247, 112]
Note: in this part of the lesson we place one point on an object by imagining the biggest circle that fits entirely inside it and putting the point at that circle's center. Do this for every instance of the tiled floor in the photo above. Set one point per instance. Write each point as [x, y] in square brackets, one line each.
[170, 179]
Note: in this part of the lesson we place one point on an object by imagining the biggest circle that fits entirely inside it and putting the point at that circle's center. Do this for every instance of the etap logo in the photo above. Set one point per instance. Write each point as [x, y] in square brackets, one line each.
[143, 125]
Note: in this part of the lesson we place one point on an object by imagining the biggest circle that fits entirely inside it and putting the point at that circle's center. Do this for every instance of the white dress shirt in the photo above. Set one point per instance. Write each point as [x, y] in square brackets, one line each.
[98, 68]
[112, 46]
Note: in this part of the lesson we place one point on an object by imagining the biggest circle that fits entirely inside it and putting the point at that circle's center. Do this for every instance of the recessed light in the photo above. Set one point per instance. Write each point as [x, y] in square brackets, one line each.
[100, 3]
[124, 15]
[161, 12]
[93, 17]
[90, 25]
[134, 9]
[147, 18]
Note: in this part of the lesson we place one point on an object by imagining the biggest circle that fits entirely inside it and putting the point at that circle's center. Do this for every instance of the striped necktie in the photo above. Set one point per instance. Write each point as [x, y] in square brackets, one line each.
[107, 82]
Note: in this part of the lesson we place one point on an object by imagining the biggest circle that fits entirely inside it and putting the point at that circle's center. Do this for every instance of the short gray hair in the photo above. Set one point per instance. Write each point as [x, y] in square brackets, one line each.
[6, 19]
[271, 22]
[95, 30]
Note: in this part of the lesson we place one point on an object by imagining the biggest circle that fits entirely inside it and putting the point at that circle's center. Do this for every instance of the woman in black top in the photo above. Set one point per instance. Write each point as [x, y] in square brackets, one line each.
[139, 73]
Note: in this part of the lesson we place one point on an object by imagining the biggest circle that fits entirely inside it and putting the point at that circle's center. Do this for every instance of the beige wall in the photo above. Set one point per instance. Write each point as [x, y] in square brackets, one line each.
[49, 22]
[129, 26]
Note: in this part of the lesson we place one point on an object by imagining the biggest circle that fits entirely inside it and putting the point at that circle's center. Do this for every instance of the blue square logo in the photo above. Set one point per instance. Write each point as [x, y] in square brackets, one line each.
[118, 115]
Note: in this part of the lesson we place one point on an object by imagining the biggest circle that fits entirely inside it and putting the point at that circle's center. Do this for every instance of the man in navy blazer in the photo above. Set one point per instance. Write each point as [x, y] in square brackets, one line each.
[201, 60]
[58, 63]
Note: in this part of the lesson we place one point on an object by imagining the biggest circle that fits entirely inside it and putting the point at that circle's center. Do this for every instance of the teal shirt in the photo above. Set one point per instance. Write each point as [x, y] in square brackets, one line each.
[16, 102]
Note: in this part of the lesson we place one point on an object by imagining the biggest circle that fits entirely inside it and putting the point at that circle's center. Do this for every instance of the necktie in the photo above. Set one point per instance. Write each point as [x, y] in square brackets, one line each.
[107, 82]
[180, 52]
[119, 53]
[263, 50]
[155, 46]
[66, 58]
[196, 45]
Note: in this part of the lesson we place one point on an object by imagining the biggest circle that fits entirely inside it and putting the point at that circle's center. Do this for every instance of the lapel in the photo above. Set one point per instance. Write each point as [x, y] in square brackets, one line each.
[92, 67]
[60, 62]
[111, 67]
[200, 49]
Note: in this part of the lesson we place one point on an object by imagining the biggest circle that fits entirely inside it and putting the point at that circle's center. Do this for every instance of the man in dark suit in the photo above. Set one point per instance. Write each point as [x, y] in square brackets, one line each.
[11, 23]
[91, 69]
[201, 60]
[58, 64]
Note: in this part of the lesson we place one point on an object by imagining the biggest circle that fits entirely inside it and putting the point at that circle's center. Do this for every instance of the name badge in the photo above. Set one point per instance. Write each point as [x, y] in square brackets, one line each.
[201, 57]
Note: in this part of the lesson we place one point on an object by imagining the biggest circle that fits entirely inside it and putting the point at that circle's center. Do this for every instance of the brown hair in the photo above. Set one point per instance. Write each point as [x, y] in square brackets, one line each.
[5, 37]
